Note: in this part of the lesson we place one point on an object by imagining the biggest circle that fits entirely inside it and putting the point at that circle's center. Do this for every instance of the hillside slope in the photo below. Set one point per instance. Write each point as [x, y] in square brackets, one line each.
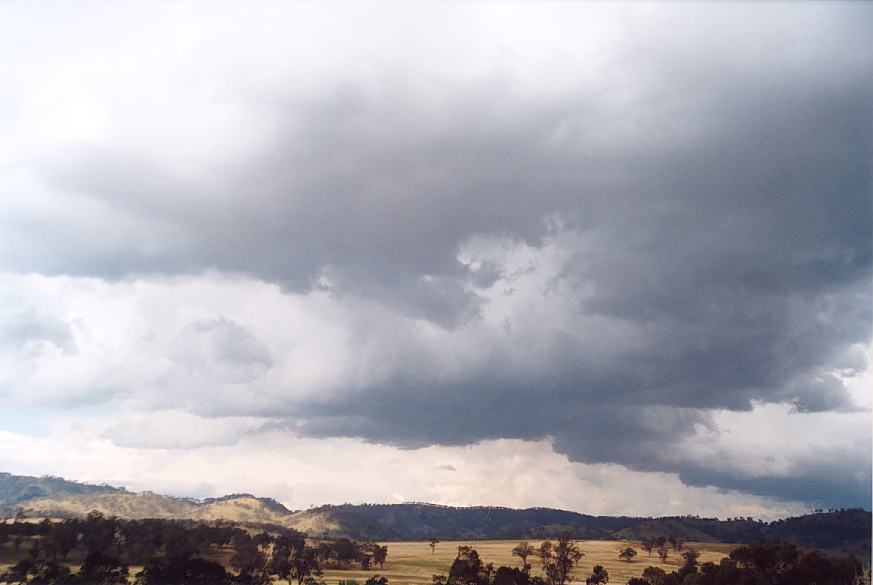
[422, 521]
[15, 489]
[838, 531]
[135, 506]
[337, 521]
[243, 508]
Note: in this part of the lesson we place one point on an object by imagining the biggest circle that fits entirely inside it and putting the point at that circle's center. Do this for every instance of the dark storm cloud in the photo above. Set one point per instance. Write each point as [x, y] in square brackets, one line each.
[837, 479]
[719, 174]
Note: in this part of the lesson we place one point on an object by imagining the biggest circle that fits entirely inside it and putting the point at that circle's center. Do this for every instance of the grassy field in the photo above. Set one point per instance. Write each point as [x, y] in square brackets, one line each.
[411, 563]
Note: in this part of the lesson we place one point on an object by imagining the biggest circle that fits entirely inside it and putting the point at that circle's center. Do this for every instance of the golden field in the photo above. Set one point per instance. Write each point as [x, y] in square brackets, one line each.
[411, 563]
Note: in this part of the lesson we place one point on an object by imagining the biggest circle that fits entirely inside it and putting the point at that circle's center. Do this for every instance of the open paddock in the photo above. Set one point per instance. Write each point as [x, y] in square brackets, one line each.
[411, 563]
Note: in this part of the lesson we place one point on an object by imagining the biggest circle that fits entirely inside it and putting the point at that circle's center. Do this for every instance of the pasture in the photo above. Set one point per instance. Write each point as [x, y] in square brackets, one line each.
[411, 563]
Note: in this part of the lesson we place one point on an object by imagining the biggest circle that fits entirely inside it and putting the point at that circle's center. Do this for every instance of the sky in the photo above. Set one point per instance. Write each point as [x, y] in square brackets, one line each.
[613, 258]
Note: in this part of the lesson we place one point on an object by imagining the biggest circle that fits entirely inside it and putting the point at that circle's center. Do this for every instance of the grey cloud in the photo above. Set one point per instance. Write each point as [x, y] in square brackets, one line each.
[719, 174]
[836, 479]
[18, 329]
[221, 347]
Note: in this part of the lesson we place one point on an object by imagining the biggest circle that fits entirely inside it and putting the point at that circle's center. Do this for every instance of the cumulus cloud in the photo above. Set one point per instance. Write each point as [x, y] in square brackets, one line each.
[173, 429]
[304, 472]
[337, 368]
[604, 225]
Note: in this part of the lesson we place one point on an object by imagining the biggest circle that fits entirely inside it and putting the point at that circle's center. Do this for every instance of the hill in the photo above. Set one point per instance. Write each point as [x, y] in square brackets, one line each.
[135, 506]
[418, 521]
[15, 489]
[243, 508]
[337, 521]
[835, 531]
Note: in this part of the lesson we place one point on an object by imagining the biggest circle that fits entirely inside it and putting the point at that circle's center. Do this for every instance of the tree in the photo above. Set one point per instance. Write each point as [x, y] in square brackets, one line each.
[511, 576]
[183, 571]
[284, 548]
[558, 560]
[647, 546]
[654, 576]
[467, 569]
[380, 553]
[689, 567]
[249, 559]
[523, 550]
[377, 580]
[346, 551]
[178, 542]
[598, 576]
[433, 543]
[773, 563]
[663, 553]
[36, 570]
[102, 569]
[62, 538]
[98, 532]
[304, 564]
[627, 554]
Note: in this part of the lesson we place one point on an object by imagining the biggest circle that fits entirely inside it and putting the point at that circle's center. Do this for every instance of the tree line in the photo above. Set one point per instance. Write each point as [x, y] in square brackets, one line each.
[773, 563]
[174, 552]
[761, 563]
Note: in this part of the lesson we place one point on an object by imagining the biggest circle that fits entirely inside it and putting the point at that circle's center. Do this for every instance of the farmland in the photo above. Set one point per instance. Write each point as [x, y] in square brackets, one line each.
[412, 562]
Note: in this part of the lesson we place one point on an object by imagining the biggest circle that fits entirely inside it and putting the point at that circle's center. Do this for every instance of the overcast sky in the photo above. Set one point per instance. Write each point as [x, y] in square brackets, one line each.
[614, 258]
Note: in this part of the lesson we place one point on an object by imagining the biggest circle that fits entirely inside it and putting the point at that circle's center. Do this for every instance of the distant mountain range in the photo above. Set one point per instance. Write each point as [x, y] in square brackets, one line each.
[40, 497]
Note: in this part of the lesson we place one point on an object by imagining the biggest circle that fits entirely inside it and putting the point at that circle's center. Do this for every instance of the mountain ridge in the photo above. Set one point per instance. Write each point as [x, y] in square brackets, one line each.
[836, 531]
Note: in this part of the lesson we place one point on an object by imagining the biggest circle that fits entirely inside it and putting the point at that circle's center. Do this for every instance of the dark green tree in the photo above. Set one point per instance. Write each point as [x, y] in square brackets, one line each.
[689, 566]
[183, 571]
[599, 576]
[511, 576]
[103, 569]
[380, 553]
[468, 569]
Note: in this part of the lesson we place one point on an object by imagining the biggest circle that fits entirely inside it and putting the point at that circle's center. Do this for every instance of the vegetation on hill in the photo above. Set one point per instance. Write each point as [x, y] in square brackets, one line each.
[833, 531]
[100, 550]
[171, 553]
[417, 521]
[15, 489]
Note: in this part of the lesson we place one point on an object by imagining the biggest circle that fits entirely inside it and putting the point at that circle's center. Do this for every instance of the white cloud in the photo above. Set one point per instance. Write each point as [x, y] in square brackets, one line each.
[301, 472]
[622, 226]
[177, 365]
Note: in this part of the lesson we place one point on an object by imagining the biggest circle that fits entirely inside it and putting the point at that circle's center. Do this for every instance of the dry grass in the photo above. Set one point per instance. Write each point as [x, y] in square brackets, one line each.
[411, 563]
